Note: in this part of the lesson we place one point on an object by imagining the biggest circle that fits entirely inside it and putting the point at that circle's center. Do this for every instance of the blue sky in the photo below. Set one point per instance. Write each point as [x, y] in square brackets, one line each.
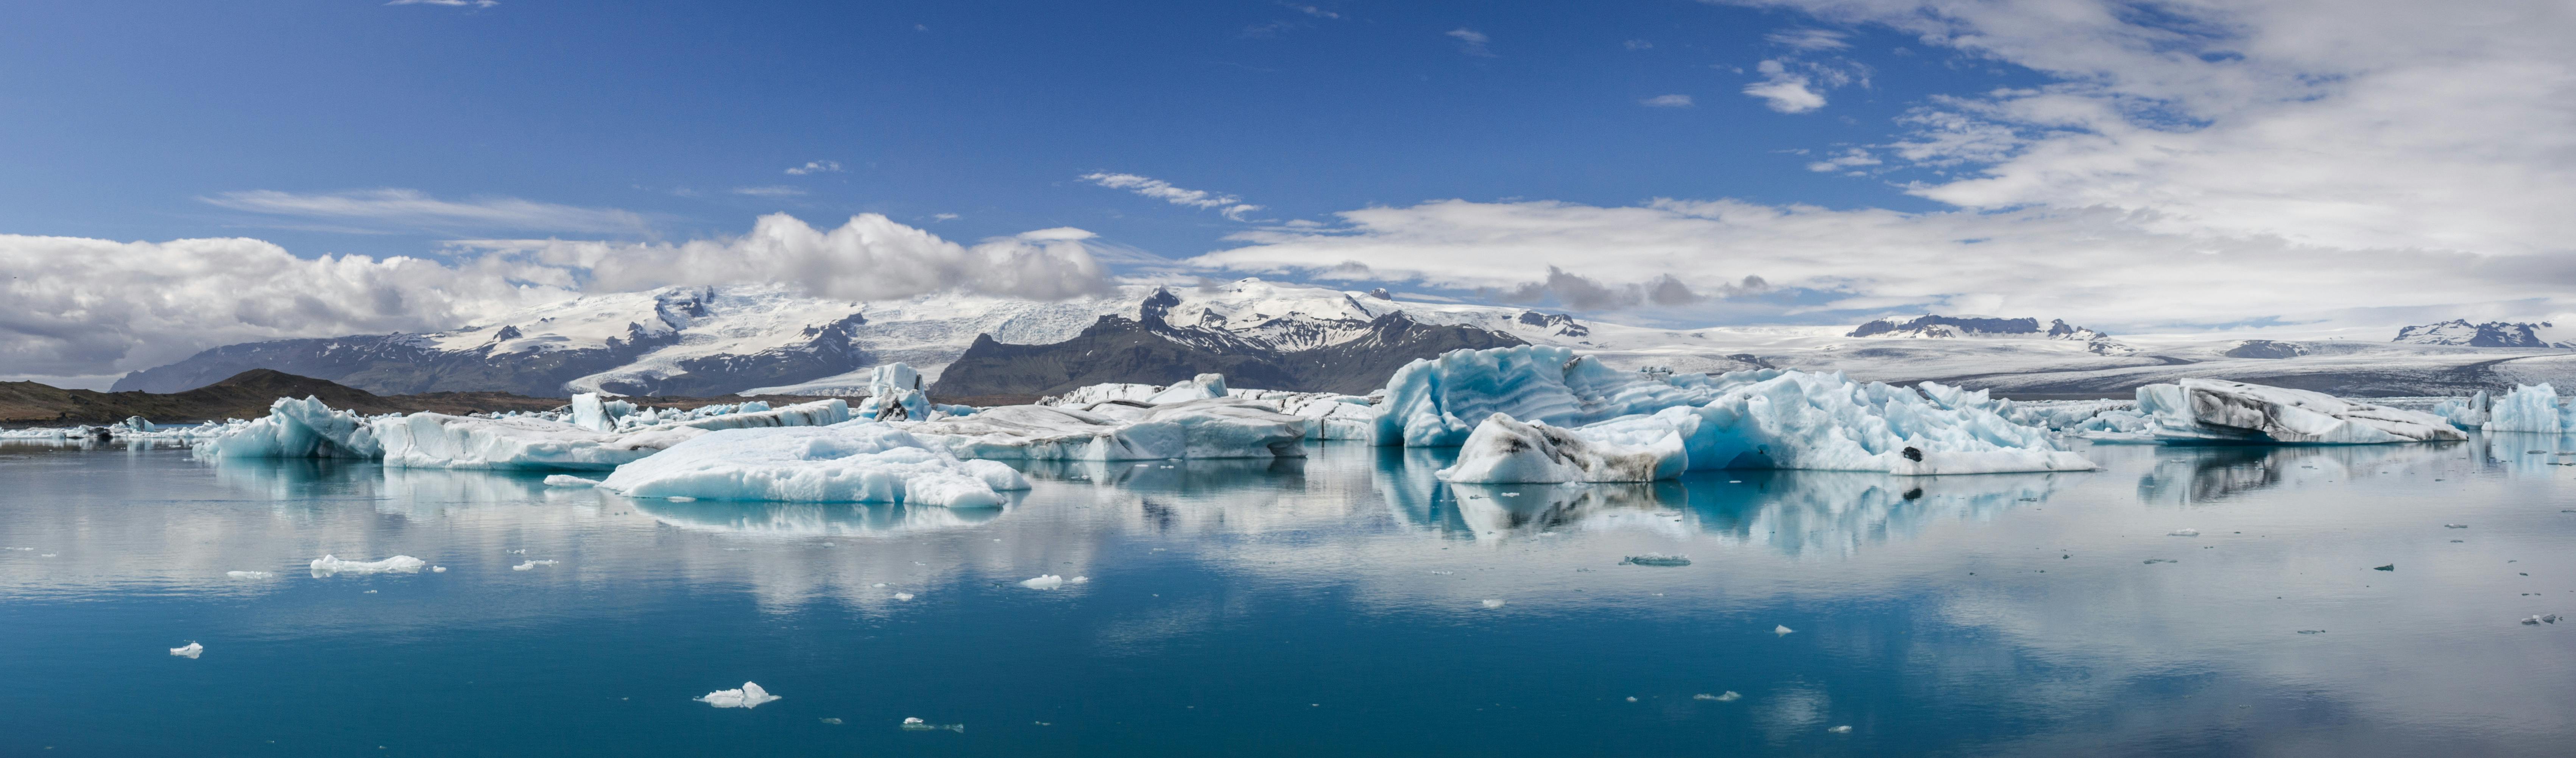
[127, 120]
[185, 174]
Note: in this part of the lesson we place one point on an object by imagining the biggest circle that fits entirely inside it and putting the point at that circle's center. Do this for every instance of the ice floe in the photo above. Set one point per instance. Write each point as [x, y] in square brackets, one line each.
[1043, 582]
[191, 651]
[851, 462]
[2212, 410]
[1656, 559]
[568, 480]
[748, 696]
[251, 574]
[532, 564]
[400, 564]
[1210, 428]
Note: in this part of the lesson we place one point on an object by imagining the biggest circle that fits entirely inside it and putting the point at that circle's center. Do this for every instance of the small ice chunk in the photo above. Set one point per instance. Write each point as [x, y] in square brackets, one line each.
[1078, 580]
[681, 499]
[749, 696]
[1844, 729]
[1043, 582]
[47, 555]
[1632, 698]
[879, 584]
[1493, 602]
[2389, 567]
[1782, 630]
[911, 724]
[438, 569]
[250, 574]
[193, 650]
[2183, 533]
[903, 596]
[829, 720]
[1657, 559]
[2533, 621]
[532, 564]
[2154, 561]
[332, 564]
[1729, 697]
[368, 592]
[2455, 526]
[568, 480]
[2312, 631]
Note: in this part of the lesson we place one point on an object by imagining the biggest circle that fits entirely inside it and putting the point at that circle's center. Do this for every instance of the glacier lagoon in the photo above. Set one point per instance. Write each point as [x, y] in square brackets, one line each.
[1345, 603]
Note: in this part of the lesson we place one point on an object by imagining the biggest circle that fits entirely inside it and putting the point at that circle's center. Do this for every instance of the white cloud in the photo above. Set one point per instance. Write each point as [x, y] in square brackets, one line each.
[1667, 101]
[89, 307]
[1310, 10]
[451, 3]
[1808, 39]
[414, 209]
[1848, 158]
[816, 167]
[2347, 124]
[769, 191]
[1637, 44]
[1231, 206]
[2100, 266]
[943, 217]
[1783, 90]
[1471, 42]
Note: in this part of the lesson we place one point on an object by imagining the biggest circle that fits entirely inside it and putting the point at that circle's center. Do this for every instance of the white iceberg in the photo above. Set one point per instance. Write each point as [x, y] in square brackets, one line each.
[1330, 416]
[400, 564]
[190, 652]
[1800, 420]
[250, 574]
[2471, 412]
[2529, 408]
[296, 429]
[435, 440]
[1210, 428]
[1043, 582]
[2212, 410]
[852, 462]
[749, 696]
[532, 564]
[568, 480]
[1504, 451]
[895, 393]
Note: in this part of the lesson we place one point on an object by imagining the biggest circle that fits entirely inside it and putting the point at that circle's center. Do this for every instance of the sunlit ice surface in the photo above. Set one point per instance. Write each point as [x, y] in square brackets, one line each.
[1347, 603]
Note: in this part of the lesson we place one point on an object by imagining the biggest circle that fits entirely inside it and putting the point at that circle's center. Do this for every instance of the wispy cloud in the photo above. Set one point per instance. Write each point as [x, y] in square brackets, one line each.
[816, 167]
[1784, 90]
[769, 191]
[449, 3]
[1472, 42]
[1667, 101]
[943, 217]
[416, 209]
[1310, 10]
[1233, 207]
[1638, 44]
[1808, 39]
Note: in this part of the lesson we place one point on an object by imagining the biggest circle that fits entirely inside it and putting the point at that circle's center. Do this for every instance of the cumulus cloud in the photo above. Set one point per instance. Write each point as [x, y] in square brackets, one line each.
[413, 209]
[2347, 124]
[1471, 42]
[2101, 265]
[1231, 206]
[1783, 90]
[90, 307]
[1666, 101]
[816, 167]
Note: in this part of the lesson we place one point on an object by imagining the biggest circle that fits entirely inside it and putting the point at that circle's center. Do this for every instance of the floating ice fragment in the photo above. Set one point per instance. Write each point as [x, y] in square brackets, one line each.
[911, 724]
[193, 650]
[520, 551]
[1493, 602]
[1078, 580]
[2154, 561]
[568, 480]
[2455, 526]
[2389, 567]
[903, 596]
[1656, 559]
[331, 564]
[1782, 630]
[1844, 729]
[829, 720]
[750, 696]
[2533, 621]
[1444, 573]
[250, 574]
[47, 555]
[438, 569]
[2312, 631]
[2183, 533]
[368, 592]
[1043, 582]
[879, 584]
[1632, 698]
[532, 564]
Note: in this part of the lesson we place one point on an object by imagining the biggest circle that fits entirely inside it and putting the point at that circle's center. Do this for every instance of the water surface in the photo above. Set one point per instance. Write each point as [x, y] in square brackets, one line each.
[1333, 605]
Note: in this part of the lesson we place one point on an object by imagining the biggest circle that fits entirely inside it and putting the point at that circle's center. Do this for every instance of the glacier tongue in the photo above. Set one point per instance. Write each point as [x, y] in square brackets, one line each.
[2212, 410]
[860, 461]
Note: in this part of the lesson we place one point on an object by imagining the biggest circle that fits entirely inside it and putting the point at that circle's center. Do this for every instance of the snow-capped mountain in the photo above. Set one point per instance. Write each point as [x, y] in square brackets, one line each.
[1956, 327]
[2461, 333]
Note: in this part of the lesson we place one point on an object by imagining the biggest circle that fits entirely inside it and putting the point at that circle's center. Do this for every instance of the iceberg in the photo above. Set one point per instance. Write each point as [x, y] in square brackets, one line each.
[1504, 451]
[1209, 428]
[438, 440]
[2471, 412]
[1801, 420]
[1329, 415]
[2528, 408]
[250, 574]
[748, 696]
[1043, 582]
[332, 564]
[895, 390]
[2213, 410]
[297, 429]
[190, 652]
[1438, 402]
[860, 461]
[568, 480]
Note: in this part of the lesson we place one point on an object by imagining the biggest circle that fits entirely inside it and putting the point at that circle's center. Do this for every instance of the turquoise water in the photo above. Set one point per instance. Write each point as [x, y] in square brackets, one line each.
[1335, 605]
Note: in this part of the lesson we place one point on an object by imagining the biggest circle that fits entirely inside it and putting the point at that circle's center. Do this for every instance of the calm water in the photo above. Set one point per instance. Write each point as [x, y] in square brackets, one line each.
[1335, 605]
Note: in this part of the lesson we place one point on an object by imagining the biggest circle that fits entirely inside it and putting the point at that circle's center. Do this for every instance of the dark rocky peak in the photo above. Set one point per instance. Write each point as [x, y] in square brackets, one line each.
[506, 334]
[841, 330]
[1157, 305]
[2459, 332]
[1561, 324]
[678, 305]
[1381, 294]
